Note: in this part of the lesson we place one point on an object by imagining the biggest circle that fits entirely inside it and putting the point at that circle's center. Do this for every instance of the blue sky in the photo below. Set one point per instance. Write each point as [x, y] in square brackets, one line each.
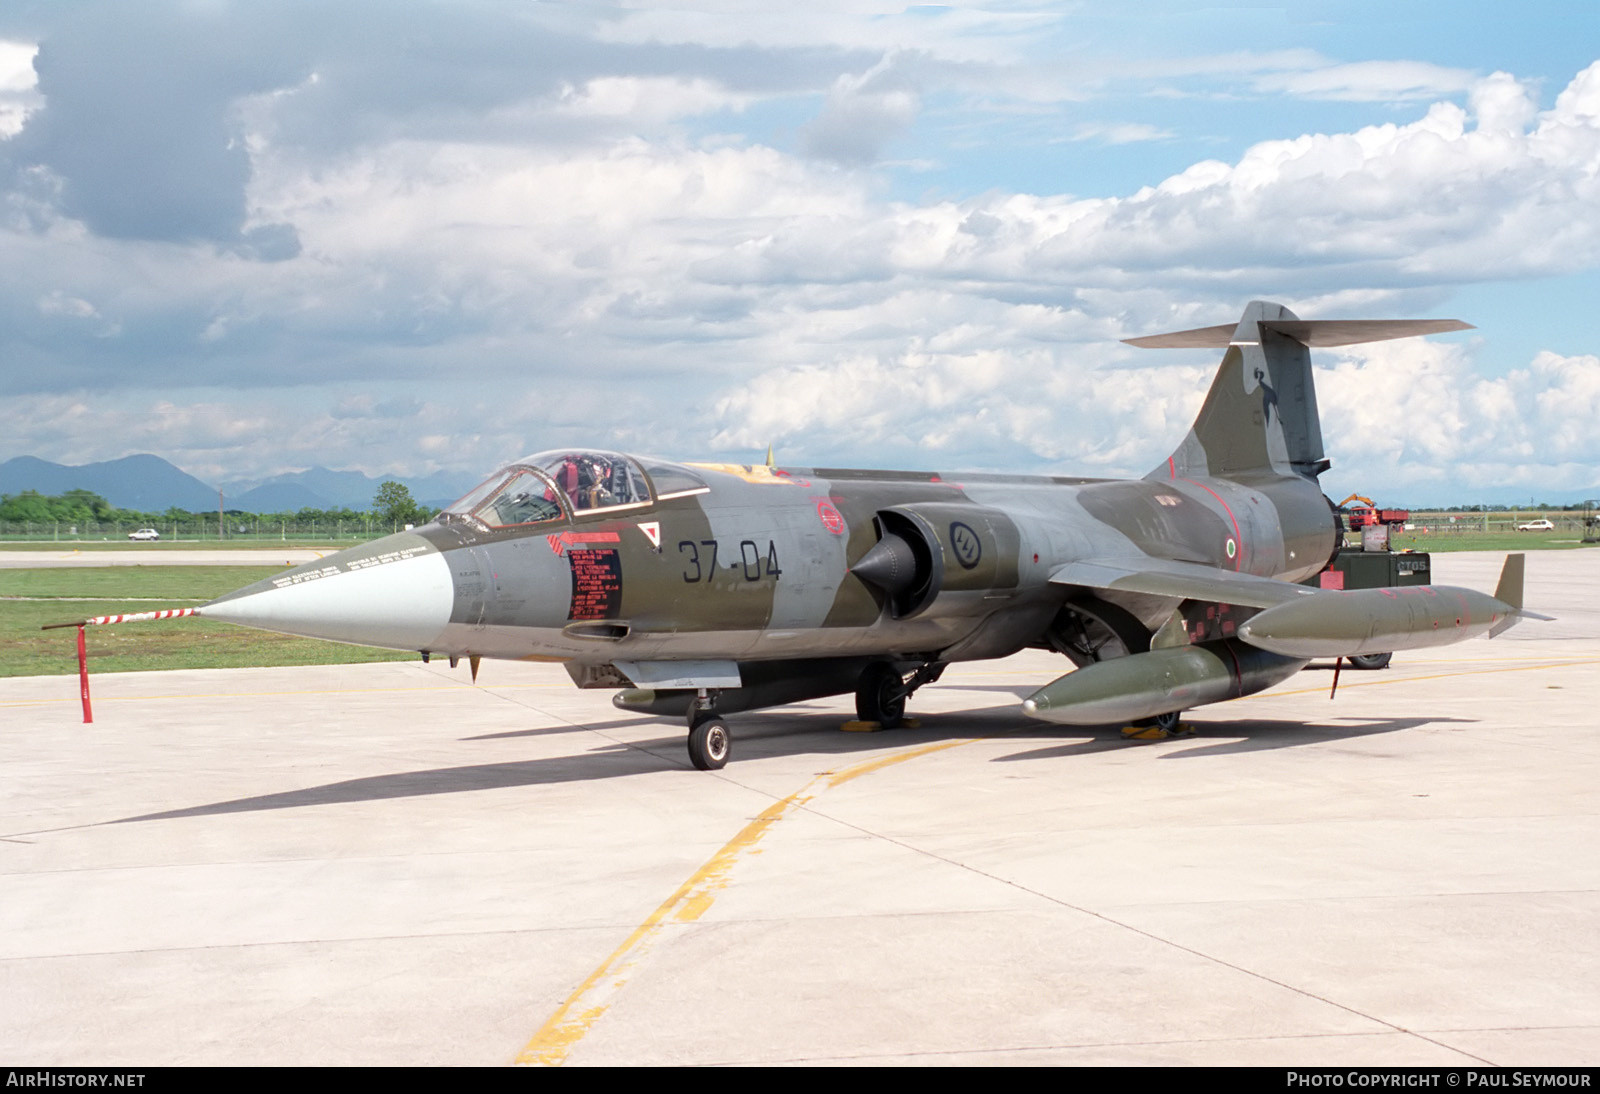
[410, 237]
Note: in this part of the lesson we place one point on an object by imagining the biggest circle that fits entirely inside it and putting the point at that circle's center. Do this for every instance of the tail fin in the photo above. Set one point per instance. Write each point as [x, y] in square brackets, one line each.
[1509, 593]
[1261, 412]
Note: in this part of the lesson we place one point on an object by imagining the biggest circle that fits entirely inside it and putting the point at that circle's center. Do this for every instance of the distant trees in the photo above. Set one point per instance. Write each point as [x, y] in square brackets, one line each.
[394, 506]
[28, 505]
[72, 507]
[85, 512]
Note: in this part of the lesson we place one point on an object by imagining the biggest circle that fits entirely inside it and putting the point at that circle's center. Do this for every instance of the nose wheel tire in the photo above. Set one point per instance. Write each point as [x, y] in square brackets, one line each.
[709, 744]
[881, 695]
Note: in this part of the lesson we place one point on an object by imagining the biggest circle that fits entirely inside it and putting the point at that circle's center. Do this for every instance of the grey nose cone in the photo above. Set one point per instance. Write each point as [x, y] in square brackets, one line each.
[890, 565]
[395, 592]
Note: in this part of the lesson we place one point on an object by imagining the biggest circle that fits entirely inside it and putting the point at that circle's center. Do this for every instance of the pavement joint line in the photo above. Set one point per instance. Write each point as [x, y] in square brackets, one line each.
[602, 734]
[1158, 939]
[611, 928]
[573, 1019]
[333, 941]
[1371, 896]
[1504, 1029]
[499, 852]
[1074, 1046]
[1077, 1046]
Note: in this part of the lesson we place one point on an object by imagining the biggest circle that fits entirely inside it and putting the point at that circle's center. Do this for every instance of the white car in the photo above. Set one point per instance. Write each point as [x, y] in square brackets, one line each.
[1536, 526]
[145, 534]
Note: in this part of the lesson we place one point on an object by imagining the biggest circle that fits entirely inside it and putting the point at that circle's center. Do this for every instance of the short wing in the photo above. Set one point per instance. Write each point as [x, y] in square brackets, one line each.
[1181, 580]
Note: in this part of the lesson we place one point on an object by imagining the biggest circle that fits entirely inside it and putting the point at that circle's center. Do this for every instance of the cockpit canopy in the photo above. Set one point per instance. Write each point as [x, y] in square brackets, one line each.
[548, 486]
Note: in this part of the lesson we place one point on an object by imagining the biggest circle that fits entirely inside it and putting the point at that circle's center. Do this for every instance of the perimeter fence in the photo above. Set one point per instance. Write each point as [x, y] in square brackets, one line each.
[245, 529]
[1478, 523]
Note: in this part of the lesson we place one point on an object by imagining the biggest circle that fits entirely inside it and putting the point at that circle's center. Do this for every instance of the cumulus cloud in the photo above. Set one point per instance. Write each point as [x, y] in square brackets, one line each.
[18, 86]
[1436, 199]
[1417, 415]
[135, 124]
[862, 115]
[145, 120]
[964, 407]
[541, 231]
[225, 439]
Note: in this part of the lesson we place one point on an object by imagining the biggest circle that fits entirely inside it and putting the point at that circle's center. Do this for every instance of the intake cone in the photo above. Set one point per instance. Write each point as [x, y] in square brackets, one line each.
[891, 565]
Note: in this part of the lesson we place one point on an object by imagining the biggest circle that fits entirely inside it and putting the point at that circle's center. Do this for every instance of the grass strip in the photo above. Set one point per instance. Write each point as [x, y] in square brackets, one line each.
[190, 643]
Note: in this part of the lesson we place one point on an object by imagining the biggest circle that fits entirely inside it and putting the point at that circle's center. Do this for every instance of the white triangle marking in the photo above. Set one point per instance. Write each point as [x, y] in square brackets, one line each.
[652, 532]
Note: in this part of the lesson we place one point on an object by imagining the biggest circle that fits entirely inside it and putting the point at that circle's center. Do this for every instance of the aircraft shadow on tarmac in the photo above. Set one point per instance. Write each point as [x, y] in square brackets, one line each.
[809, 732]
[1243, 735]
[565, 727]
[781, 734]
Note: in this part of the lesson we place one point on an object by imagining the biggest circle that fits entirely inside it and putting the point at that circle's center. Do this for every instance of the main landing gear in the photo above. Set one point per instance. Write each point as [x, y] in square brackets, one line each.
[881, 696]
[1158, 728]
[709, 739]
[882, 691]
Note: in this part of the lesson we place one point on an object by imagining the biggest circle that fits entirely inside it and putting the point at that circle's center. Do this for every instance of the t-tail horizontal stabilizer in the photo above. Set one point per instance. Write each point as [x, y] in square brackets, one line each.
[1317, 333]
[1261, 413]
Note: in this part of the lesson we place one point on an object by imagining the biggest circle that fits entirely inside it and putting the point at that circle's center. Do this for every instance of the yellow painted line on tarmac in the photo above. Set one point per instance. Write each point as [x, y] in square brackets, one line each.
[589, 1003]
[1549, 663]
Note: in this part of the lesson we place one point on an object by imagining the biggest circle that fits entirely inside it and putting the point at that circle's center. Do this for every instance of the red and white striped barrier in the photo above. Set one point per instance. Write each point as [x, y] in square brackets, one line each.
[138, 617]
[102, 620]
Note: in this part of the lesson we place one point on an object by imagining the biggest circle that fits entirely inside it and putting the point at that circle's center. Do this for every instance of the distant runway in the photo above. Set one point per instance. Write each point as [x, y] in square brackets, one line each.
[262, 556]
[384, 864]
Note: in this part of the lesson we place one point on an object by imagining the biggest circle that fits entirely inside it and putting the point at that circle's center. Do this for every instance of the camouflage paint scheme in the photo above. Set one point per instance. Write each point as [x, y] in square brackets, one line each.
[727, 587]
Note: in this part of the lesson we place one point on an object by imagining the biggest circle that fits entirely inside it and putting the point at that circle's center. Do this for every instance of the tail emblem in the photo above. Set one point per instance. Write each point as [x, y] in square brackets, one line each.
[1269, 397]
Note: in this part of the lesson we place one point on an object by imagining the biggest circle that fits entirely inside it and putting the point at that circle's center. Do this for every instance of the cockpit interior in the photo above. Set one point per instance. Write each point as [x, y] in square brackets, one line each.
[551, 486]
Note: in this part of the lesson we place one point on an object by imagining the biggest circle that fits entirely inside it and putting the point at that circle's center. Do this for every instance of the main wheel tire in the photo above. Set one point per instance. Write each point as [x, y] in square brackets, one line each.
[1371, 660]
[881, 695]
[709, 744]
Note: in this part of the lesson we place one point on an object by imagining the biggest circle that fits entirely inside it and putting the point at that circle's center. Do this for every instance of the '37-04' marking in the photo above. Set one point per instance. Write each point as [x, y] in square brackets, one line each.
[700, 560]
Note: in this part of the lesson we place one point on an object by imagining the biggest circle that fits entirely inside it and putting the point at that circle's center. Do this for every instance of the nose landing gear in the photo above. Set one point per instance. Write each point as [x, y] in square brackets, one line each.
[710, 743]
[882, 688]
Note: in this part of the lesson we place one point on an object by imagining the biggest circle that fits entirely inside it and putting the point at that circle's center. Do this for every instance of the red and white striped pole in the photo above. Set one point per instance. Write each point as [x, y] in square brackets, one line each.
[102, 620]
[83, 676]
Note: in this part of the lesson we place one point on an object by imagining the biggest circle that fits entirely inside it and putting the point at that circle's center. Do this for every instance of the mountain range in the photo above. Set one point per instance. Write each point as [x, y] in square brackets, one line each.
[150, 484]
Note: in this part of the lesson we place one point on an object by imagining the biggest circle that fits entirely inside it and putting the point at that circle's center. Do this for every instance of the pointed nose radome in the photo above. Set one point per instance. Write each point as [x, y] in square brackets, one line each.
[395, 592]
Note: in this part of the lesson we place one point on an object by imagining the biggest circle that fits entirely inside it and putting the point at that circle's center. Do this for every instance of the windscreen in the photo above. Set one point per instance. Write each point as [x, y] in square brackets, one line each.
[517, 495]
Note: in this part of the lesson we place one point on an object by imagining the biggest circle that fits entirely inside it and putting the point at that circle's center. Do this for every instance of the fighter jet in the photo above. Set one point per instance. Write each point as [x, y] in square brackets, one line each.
[698, 590]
